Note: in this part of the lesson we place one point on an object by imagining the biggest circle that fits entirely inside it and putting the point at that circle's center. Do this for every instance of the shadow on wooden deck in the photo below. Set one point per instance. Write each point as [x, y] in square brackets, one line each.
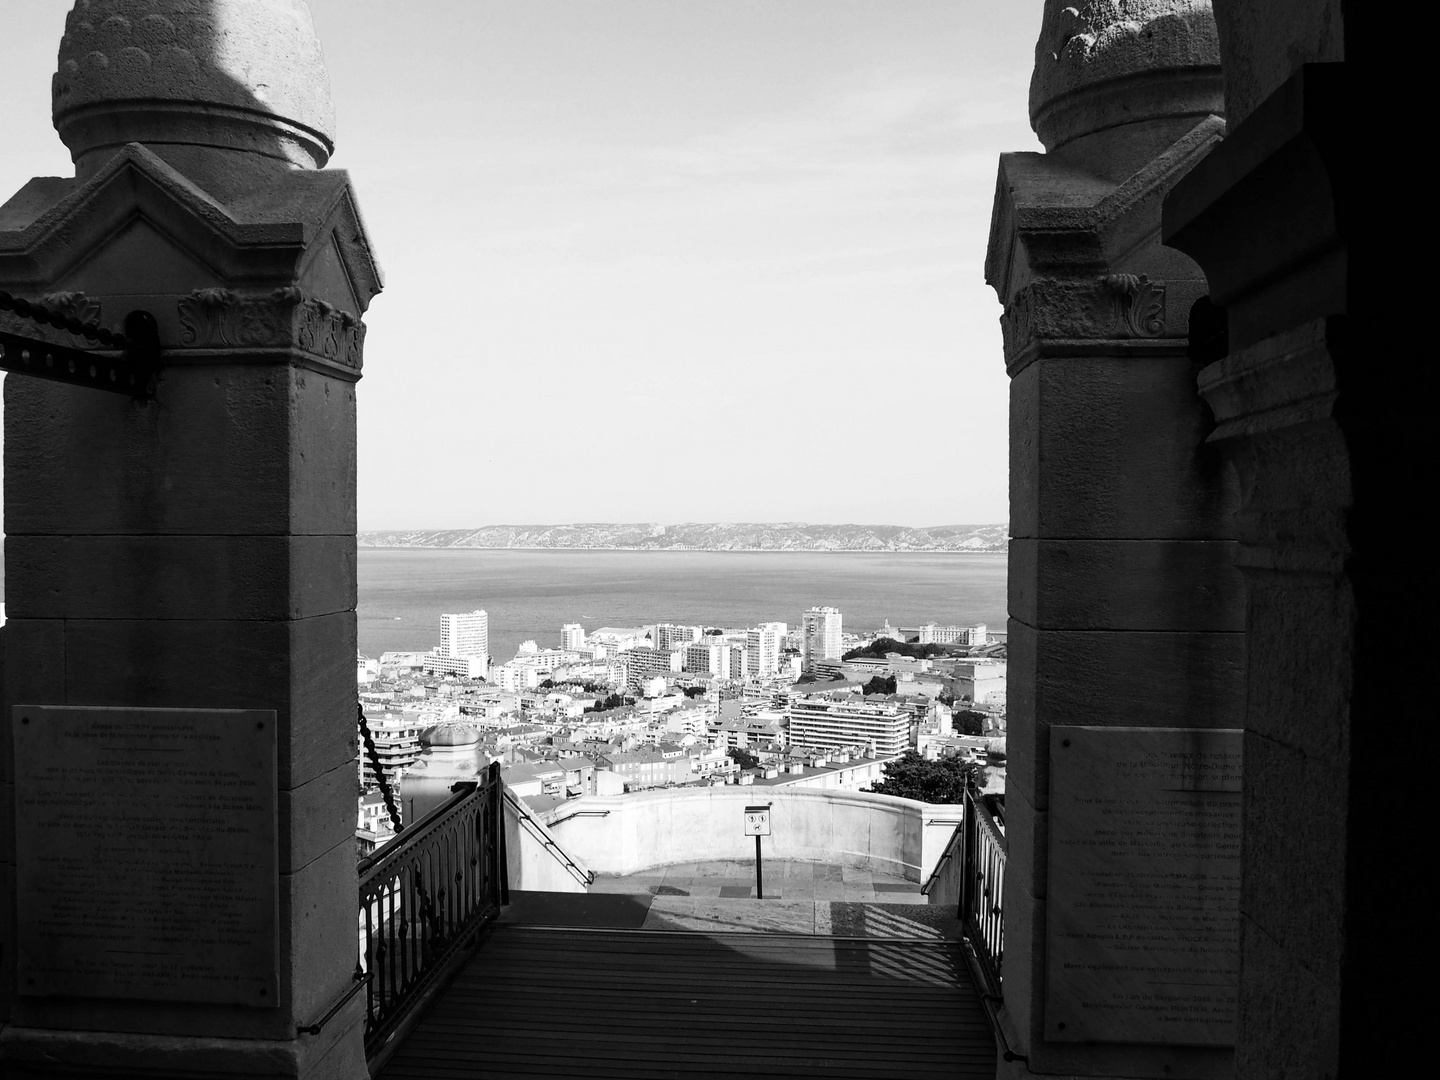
[542, 1000]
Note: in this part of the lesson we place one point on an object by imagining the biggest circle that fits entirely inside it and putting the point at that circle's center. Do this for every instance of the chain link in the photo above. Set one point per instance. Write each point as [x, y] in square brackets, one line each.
[39, 313]
[385, 791]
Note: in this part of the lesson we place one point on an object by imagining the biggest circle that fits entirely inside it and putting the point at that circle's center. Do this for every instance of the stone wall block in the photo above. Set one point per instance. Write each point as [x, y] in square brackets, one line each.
[323, 732]
[1142, 678]
[7, 930]
[1026, 742]
[1025, 407]
[320, 814]
[7, 826]
[1027, 833]
[209, 456]
[319, 904]
[1024, 964]
[323, 454]
[229, 665]
[1302, 699]
[33, 656]
[1114, 678]
[180, 577]
[1115, 447]
[1288, 1020]
[1126, 585]
[1292, 803]
[178, 664]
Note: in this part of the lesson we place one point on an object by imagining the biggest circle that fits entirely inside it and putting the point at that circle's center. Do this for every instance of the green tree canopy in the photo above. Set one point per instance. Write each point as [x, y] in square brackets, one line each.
[879, 685]
[912, 777]
[744, 758]
[968, 721]
[881, 647]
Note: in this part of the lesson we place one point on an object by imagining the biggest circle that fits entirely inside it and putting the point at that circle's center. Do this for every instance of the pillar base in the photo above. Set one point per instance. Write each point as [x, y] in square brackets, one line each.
[337, 1053]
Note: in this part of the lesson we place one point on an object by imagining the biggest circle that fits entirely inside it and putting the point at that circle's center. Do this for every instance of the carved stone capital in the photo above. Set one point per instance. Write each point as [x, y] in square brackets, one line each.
[1105, 309]
[1277, 426]
[222, 319]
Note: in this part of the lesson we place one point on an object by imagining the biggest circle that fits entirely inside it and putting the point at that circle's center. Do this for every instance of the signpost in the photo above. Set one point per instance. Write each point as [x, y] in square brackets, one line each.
[757, 824]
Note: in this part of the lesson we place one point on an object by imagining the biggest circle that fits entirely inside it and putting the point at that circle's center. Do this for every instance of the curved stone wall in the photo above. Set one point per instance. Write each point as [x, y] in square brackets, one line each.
[624, 834]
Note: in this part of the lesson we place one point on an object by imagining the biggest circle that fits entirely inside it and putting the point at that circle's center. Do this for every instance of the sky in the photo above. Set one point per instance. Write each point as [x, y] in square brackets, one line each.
[660, 260]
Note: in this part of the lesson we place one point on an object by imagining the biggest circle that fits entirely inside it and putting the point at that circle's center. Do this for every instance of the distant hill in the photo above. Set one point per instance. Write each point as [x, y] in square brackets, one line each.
[773, 536]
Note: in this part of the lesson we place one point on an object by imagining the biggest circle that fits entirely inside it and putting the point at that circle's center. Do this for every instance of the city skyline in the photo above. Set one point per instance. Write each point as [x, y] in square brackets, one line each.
[605, 223]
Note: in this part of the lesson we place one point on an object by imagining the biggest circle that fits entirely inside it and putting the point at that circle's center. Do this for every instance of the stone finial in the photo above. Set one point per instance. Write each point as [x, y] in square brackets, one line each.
[1100, 64]
[237, 75]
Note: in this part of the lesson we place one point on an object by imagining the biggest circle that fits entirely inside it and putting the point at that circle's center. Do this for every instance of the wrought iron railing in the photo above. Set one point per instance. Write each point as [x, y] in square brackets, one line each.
[424, 898]
[982, 890]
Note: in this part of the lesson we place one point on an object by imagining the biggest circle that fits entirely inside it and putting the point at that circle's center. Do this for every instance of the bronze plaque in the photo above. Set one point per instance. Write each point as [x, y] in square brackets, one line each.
[146, 852]
[1142, 905]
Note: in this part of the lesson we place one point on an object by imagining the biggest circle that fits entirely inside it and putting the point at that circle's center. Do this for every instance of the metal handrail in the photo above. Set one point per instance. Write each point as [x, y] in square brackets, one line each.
[579, 873]
[956, 838]
[423, 899]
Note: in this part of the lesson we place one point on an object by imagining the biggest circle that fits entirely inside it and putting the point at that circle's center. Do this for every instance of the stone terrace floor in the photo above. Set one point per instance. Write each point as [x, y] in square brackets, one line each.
[800, 898]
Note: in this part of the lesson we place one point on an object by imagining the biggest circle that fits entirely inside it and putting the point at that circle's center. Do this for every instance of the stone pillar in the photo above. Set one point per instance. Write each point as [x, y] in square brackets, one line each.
[1125, 610]
[195, 551]
[1323, 417]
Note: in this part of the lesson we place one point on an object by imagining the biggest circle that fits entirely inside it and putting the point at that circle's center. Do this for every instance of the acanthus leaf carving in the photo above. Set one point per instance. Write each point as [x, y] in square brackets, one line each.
[74, 305]
[1141, 303]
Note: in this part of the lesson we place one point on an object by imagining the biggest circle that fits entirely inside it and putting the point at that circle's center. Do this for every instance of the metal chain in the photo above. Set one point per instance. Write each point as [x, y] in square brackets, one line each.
[39, 313]
[385, 791]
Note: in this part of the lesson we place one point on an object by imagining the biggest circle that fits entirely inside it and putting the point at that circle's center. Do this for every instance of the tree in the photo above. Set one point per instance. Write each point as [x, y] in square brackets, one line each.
[614, 701]
[912, 777]
[882, 647]
[744, 758]
[879, 685]
[695, 691]
[968, 721]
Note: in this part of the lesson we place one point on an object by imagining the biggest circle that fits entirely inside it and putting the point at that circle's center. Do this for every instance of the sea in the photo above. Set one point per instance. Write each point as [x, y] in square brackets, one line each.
[530, 594]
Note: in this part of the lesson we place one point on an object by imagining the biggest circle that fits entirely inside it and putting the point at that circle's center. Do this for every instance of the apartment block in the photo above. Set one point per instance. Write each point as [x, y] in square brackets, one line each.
[823, 723]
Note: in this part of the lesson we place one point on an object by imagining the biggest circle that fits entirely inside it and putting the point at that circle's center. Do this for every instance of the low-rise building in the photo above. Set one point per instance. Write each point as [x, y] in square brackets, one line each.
[647, 767]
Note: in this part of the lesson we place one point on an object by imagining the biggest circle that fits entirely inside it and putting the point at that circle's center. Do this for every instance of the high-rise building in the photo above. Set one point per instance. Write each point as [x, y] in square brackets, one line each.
[762, 650]
[464, 647]
[466, 634]
[819, 636]
[822, 723]
[572, 637]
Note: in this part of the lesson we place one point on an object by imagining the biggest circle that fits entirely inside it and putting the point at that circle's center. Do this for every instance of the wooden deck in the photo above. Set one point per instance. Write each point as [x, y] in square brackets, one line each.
[634, 1004]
